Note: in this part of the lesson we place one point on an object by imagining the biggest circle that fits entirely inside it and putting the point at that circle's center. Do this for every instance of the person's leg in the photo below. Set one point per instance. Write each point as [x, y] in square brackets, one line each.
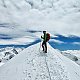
[45, 47]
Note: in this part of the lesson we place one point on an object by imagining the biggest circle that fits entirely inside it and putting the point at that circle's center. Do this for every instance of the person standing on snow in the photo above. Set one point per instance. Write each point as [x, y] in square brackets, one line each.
[45, 38]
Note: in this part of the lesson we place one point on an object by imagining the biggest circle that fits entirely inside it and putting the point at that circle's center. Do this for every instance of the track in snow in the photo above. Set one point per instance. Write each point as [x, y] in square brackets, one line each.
[48, 67]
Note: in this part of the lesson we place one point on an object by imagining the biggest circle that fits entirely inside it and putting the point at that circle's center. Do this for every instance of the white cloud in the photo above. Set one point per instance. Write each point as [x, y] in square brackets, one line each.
[77, 43]
[60, 19]
[57, 41]
[17, 41]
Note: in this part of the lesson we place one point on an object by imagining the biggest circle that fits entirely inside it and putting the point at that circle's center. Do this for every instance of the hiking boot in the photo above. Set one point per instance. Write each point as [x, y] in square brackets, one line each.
[45, 51]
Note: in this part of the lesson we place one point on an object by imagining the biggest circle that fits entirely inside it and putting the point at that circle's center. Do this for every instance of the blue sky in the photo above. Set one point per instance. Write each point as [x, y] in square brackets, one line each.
[22, 37]
[68, 43]
[59, 42]
[69, 39]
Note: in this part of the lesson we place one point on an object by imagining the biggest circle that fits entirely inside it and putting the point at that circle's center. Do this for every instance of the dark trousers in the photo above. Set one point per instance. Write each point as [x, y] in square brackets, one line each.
[44, 46]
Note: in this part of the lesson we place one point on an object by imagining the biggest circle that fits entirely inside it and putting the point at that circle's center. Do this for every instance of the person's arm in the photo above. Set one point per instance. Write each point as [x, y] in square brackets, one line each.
[42, 37]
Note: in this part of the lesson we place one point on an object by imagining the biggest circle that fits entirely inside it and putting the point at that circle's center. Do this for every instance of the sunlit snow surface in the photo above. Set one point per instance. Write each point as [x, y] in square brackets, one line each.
[33, 64]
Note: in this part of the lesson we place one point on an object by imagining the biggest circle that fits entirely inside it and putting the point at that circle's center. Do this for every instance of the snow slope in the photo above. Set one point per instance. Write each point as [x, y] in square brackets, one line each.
[73, 52]
[32, 64]
[7, 53]
[73, 55]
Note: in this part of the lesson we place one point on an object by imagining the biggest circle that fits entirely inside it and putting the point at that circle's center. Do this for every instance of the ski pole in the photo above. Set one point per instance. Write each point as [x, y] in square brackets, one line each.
[40, 47]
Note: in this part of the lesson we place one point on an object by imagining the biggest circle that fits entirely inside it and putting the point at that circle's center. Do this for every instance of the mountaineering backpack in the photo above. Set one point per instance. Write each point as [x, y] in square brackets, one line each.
[47, 37]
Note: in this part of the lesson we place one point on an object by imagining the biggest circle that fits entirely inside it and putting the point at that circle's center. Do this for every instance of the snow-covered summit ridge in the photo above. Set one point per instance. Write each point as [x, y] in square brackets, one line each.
[33, 65]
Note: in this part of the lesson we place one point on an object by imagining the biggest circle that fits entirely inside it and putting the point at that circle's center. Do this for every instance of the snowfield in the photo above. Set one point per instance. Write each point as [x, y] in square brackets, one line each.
[73, 55]
[8, 53]
[33, 64]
